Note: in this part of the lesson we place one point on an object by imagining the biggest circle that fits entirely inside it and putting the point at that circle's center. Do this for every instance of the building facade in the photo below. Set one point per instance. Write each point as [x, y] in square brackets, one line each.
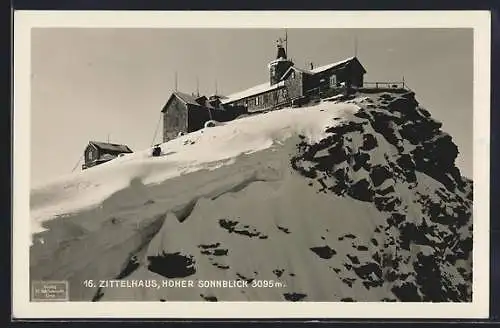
[184, 113]
[287, 86]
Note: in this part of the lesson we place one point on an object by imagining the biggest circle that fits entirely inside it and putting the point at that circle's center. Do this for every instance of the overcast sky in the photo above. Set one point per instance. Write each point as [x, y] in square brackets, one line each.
[90, 83]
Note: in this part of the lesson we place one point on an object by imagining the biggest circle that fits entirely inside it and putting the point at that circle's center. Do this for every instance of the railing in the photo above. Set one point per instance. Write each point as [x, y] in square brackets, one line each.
[322, 92]
[328, 91]
[385, 85]
[325, 91]
[317, 90]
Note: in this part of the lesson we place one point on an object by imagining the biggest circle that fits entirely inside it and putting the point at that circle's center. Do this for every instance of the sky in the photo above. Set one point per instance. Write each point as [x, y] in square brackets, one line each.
[111, 83]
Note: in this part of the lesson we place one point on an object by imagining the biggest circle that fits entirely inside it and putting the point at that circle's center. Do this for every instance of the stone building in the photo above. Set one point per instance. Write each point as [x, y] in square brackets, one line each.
[287, 86]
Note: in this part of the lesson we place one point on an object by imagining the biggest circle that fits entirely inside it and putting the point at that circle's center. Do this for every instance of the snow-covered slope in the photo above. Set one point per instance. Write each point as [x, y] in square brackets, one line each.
[352, 199]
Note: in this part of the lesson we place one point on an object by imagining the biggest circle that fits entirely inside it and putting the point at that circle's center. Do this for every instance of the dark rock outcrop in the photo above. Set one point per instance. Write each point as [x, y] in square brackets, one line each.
[345, 169]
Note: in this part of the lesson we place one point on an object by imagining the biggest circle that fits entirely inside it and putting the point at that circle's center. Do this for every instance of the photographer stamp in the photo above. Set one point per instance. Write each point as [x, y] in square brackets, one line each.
[49, 291]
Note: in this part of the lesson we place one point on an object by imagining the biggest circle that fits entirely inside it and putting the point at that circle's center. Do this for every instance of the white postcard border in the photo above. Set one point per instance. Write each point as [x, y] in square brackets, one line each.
[25, 20]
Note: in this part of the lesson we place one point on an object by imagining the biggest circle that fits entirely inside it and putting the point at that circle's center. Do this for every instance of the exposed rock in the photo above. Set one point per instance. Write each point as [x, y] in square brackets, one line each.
[172, 265]
[325, 252]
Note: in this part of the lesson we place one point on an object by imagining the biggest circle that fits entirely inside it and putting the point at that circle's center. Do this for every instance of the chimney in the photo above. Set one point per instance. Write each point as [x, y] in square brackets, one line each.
[312, 66]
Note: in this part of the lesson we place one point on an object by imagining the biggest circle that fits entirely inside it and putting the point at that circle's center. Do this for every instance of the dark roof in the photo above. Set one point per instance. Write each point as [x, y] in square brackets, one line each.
[323, 68]
[339, 64]
[216, 96]
[201, 99]
[111, 147]
[200, 102]
[184, 97]
[188, 99]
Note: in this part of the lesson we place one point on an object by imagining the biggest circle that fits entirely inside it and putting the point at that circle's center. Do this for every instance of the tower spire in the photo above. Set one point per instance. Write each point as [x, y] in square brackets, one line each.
[282, 44]
[286, 41]
[278, 66]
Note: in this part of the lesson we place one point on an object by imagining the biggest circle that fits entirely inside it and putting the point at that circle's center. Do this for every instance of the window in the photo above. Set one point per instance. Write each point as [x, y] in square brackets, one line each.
[273, 71]
[280, 94]
[333, 81]
[293, 74]
[256, 101]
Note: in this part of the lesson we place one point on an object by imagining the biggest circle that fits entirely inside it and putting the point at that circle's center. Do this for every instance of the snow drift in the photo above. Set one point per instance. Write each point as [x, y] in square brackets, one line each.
[353, 199]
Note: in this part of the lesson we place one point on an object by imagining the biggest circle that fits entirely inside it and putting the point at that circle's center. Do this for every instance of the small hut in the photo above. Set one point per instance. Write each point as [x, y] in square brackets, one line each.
[101, 152]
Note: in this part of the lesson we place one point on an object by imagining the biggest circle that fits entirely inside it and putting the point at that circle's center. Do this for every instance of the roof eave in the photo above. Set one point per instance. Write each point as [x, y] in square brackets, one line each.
[295, 69]
[164, 109]
[359, 63]
[274, 87]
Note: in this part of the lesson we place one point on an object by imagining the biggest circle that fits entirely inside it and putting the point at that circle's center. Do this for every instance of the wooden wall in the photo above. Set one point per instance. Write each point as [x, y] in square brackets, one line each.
[197, 116]
[352, 74]
[264, 101]
[294, 83]
[90, 150]
[175, 119]
[228, 114]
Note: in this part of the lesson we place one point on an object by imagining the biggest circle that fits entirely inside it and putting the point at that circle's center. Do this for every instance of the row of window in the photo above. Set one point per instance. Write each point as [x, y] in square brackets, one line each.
[279, 94]
[265, 98]
[269, 97]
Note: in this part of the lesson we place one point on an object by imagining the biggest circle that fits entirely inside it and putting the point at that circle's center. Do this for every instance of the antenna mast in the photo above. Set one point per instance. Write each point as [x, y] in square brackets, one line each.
[175, 81]
[356, 46]
[76, 165]
[286, 42]
[216, 90]
[197, 87]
